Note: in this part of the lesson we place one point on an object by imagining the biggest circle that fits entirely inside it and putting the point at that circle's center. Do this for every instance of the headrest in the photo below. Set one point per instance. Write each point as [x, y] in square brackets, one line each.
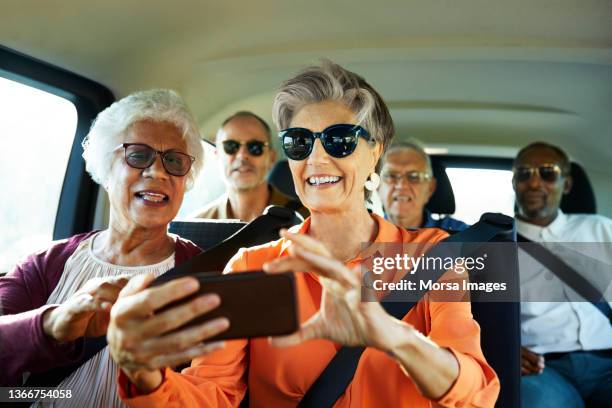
[205, 233]
[280, 178]
[443, 199]
[580, 199]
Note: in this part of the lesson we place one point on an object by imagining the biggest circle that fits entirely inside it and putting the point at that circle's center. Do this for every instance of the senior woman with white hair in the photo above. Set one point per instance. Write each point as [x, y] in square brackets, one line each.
[334, 129]
[145, 150]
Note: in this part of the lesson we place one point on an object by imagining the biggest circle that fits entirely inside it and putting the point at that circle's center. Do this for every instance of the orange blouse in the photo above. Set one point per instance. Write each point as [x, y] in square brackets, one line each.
[279, 377]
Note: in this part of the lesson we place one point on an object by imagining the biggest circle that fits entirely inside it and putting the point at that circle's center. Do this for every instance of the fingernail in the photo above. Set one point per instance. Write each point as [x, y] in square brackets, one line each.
[191, 284]
[209, 300]
[222, 323]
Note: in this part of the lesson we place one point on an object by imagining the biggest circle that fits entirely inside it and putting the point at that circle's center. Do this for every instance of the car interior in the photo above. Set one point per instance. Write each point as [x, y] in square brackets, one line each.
[474, 82]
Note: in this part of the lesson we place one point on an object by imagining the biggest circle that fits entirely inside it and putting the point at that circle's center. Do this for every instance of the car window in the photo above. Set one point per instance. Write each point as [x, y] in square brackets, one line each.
[207, 186]
[481, 190]
[37, 131]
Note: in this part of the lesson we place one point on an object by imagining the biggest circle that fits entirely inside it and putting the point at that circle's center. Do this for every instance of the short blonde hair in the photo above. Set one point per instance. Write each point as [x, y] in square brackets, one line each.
[331, 82]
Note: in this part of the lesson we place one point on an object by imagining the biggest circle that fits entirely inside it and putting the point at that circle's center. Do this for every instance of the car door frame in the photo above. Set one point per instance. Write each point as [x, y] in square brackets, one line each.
[77, 203]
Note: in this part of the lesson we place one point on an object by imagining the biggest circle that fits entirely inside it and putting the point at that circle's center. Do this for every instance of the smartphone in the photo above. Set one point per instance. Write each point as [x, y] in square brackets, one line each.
[256, 303]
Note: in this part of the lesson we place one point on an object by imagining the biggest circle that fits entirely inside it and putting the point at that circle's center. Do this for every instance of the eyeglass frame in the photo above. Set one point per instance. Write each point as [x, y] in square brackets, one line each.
[536, 169]
[423, 177]
[159, 153]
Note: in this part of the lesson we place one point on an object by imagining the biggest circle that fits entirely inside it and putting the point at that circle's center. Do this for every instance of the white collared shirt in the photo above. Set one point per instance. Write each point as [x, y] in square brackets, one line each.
[563, 326]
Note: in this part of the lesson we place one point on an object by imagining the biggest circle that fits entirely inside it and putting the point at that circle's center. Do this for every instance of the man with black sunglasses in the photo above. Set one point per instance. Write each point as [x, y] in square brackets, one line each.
[246, 156]
[566, 358]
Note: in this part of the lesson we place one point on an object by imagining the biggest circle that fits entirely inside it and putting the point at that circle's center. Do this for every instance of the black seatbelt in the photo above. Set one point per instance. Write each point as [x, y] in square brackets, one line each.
[261, 230]
[567, 274]
[293, 205]
[333, 381]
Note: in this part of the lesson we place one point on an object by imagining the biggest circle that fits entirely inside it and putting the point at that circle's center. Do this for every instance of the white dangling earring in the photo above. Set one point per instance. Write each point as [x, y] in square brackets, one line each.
[373, 181]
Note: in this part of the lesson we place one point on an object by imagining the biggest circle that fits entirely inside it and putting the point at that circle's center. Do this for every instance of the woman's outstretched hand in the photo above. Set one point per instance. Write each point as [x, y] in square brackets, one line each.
[344, 317]
[143, 339]
[86, 313]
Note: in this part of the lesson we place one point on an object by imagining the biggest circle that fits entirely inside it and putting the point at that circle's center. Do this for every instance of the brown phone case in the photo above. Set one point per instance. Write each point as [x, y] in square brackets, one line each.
[256, 303]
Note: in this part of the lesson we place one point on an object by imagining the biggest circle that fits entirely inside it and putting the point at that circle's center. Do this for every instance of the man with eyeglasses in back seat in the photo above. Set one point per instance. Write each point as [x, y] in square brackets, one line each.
[246, 156]
[566, 353]
[407, 185]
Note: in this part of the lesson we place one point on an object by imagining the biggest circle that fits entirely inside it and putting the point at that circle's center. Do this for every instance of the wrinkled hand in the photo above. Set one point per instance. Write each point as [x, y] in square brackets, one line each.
[343, 317]
[86, 312]
[142, 341]
[531, 363]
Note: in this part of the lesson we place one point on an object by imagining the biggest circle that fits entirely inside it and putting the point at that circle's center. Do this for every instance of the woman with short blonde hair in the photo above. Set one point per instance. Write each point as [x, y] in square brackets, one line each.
[334, 128]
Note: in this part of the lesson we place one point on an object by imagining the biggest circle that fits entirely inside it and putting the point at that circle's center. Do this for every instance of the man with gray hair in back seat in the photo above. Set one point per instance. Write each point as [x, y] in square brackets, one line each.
[566, 353]
[407, 185]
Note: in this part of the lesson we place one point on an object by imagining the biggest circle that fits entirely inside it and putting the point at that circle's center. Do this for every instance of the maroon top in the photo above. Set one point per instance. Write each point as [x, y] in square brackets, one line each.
[24, 347]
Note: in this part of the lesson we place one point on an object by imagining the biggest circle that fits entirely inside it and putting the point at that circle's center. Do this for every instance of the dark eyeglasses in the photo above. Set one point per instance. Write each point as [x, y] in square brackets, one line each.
[142, 156]
[547, 172]
[413, 177]
[254, 147]
[338, 140]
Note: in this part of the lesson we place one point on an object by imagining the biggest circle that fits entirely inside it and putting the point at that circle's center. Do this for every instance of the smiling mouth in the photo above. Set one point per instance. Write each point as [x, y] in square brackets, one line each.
[402, 199]
[534, 195]
[243, 169]
[318, 181]
[152, 197]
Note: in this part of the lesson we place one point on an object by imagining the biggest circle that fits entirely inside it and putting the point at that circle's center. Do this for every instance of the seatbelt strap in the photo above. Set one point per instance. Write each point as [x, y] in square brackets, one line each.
[293, 205]
[333, 381]
[259, 231]
[567, 274]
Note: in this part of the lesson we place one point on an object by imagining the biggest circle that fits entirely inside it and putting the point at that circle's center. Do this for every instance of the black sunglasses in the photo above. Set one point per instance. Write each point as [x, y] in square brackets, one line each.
[254, 147]
[142, 156]
[338, 140]
[547, 172]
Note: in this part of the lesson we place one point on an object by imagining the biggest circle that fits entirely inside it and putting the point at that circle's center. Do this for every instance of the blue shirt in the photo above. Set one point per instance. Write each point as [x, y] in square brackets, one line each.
[446, 223]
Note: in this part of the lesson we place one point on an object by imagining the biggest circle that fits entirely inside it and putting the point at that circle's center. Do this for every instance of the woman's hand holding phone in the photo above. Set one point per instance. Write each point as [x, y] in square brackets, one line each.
[343, 317]
[142, 342]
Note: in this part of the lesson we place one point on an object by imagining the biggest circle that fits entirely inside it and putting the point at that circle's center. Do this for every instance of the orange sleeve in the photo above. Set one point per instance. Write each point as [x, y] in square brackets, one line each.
[216, 380]
[453, 327]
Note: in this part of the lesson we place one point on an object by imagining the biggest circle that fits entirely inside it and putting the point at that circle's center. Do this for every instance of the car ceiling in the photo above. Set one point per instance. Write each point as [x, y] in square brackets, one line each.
[476, 76]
